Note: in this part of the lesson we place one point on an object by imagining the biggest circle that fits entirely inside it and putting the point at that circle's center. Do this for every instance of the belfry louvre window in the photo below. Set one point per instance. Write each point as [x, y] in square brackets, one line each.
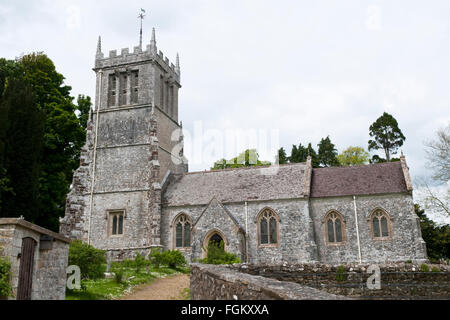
[112, 82]
[134, 86]
[268, 228]
[380, 225]
[182, 232]
[335, 228]
[116, 223]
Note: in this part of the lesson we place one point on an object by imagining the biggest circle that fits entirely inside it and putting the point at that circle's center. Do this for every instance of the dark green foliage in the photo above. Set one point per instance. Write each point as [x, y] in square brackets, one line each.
[298, 154]
[118, 268]
[5, 277]
[23, 147]
[248, 158]
[217, 255]
[92, 261]
[282, 157]
[156, 257]
[139, 262]
[437, 238]
[84, 106]
[386, 135]
[327, 155]
[341, 274]
[40, 139]
[173, 259]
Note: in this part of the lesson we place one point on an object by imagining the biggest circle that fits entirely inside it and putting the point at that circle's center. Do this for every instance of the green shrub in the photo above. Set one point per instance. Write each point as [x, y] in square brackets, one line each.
[173, 258]
[5, 278]
[409, 261]
[90, 260]
[139, 262]
[424, 267]
[118, 269]
[341, 274]
[217, 255]
[155, 257]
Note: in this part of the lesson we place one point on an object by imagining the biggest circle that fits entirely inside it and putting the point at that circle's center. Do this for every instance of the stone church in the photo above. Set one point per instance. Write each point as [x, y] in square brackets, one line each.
[133, 192]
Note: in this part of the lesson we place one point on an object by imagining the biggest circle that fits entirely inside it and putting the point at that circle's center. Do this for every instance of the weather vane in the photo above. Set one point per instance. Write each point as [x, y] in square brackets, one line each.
[141, 16]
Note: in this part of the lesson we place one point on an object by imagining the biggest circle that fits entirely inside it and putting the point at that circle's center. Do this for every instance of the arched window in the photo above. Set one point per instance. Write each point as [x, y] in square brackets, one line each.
[268, 227]
[335, 228]
[381, 224]
[182, 232]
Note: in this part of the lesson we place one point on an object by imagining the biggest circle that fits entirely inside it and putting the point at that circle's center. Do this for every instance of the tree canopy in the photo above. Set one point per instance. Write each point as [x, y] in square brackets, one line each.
[40, 138]
[353, 156]
[248, 158]
[327, 153]
[386, 135]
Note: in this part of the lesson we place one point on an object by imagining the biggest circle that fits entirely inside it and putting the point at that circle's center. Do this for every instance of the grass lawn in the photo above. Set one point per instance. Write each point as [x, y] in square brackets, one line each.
[108, 289]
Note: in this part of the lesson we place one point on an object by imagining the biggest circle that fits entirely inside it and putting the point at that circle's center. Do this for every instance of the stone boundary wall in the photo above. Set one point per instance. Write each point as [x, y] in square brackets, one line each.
[211, 282]
[398, 281]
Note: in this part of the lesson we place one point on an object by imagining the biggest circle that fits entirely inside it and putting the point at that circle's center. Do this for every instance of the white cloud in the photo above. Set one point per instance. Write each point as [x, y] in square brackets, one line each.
[310, 69]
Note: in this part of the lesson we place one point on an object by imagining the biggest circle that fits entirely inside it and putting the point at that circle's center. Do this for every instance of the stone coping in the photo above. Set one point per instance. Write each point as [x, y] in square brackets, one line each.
[31, 226]
[278, 289]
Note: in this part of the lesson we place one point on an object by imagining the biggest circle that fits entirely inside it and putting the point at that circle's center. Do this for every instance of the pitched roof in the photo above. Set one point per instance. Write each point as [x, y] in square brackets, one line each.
[358, 180]
[237, 185]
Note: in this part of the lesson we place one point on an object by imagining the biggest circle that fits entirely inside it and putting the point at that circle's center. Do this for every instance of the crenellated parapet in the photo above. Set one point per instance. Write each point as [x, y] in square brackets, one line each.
[116, 58]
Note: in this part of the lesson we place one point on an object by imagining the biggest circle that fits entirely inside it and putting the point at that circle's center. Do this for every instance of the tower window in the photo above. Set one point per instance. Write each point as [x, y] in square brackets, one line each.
[116, 223]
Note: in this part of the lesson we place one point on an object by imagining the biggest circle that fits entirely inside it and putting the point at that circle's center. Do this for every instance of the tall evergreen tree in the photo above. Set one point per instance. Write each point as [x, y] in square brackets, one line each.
[63, 139]
[22, 150]
[386, 135]
[314, 156]
[282, 156]
[327, 154]
[298, 154]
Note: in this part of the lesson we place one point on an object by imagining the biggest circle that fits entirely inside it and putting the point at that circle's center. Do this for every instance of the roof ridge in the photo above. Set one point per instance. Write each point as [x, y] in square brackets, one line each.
[361, 165]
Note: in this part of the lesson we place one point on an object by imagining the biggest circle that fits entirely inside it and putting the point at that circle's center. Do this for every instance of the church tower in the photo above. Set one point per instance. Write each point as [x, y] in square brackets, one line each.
[133, 144]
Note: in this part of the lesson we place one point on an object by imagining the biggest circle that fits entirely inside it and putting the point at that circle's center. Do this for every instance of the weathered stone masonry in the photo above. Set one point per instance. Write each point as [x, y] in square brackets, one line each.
[141, 177]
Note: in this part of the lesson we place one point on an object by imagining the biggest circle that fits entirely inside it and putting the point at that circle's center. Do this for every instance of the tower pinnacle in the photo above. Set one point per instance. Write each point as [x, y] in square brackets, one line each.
[177, 66]
[153, 41]
[141, 16]
[99, 54]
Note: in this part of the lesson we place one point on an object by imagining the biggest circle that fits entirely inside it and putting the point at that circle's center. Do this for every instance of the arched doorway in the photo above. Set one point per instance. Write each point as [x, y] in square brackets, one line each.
[215, 237]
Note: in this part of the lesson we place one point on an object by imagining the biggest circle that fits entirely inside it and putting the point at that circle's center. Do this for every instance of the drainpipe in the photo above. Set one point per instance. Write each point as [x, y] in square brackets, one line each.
[95, 155]
[246, 232]
[357, 230]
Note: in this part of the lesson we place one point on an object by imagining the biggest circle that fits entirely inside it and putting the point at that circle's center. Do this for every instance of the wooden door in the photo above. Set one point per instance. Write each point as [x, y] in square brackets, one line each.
[26, 269]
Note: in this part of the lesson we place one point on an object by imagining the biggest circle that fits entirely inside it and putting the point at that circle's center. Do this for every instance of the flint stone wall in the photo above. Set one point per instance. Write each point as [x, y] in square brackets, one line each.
[49, 266]
[210, 282]
[398, 281]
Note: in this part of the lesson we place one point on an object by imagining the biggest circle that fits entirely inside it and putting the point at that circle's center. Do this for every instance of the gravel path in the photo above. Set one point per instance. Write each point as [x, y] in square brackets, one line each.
[170, 288]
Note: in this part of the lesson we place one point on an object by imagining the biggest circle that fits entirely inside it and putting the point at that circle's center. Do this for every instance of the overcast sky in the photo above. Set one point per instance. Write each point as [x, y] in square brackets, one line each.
[306, 68]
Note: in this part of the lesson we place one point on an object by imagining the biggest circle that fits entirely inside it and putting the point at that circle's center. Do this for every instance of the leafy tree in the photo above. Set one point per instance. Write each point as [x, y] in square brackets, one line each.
[282, 157]
[386, 135]
[353, 156]
[64, 135]
[437, 238]
[248, 158]
[84, 106]
[327, 153]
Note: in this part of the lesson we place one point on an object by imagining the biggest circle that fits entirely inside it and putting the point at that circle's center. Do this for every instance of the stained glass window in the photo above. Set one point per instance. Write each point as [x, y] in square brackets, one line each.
[182, 232]
[268, 228]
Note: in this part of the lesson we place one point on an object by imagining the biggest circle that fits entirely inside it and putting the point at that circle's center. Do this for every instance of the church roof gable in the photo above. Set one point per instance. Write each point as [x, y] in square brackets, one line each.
[370, 179]
[237, 185]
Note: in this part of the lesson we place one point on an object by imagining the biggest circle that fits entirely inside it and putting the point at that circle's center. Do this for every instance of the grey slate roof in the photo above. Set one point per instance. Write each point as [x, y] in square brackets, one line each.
[236, 185]
[358, 180]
